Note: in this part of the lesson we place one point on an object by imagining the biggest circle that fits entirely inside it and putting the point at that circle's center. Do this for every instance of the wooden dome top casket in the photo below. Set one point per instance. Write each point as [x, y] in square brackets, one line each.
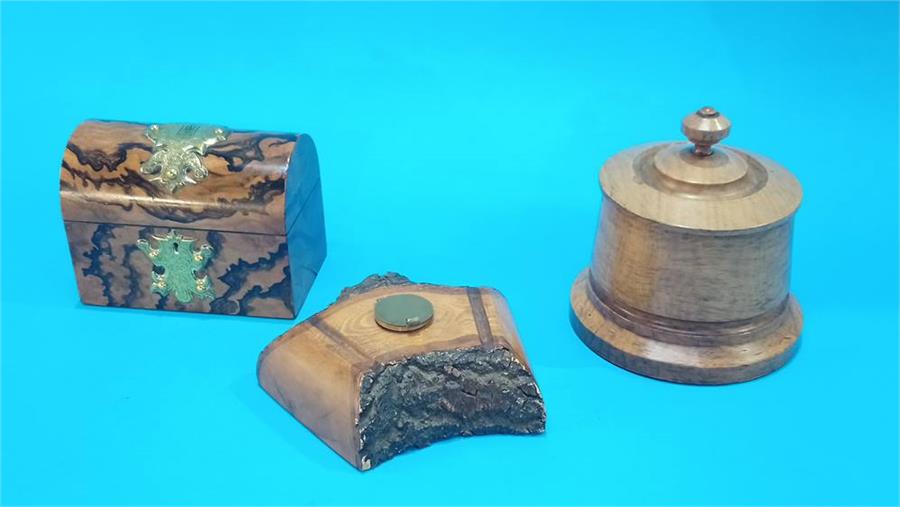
[689, 280]
[245, 208]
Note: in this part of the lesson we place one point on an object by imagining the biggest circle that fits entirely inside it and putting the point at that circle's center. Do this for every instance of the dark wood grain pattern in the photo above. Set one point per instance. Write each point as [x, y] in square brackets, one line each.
[260, 209]
[700, 358]
[101, 182]
[250, 272]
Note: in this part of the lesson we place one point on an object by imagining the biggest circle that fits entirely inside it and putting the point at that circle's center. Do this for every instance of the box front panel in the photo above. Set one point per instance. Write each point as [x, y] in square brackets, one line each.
[181, 269]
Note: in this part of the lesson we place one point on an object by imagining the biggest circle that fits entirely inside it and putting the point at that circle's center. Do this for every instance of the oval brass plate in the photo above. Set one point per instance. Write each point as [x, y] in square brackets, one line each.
[403, 312]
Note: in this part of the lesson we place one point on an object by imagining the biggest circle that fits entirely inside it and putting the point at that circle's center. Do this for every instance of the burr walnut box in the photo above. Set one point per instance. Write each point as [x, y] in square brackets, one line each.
[192, 217]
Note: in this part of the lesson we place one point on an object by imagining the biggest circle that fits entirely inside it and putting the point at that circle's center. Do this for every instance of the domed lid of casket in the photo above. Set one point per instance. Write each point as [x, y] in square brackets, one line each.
[696, 185]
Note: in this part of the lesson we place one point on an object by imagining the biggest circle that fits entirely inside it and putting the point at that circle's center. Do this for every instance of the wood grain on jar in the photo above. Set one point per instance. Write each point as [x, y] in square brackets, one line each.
[690, 275]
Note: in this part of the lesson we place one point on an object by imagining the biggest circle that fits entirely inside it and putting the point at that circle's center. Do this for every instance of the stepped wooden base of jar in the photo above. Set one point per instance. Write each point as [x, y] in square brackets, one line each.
[670, 358]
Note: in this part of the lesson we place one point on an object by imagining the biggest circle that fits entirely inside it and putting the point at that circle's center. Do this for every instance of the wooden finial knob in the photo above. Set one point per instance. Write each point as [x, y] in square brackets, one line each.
[705, 128]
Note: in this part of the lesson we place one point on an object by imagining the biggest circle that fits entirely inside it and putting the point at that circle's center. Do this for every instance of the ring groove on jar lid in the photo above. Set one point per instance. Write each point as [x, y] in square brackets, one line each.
[403, 312]
[701, 186]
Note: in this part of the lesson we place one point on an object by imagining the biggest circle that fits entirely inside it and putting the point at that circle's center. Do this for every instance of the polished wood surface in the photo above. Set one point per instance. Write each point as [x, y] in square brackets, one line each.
[730, 190]
[245, 191]
[690, 275]
[316, 370]
[693, 276]
[260, 208]
[251, 273]
[691, 354]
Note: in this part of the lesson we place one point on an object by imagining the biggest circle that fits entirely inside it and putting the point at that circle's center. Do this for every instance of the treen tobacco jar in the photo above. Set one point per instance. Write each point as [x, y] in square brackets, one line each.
[689, 280]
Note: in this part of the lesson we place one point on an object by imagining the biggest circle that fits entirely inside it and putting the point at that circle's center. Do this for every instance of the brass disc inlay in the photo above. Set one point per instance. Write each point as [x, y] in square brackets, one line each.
[403, 312]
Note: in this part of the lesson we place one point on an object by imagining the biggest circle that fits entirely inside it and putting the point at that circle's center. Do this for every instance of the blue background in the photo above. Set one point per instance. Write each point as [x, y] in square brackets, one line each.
[459, 144]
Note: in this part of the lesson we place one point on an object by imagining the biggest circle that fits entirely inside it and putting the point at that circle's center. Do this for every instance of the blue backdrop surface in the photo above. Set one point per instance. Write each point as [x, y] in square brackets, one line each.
[483, 126]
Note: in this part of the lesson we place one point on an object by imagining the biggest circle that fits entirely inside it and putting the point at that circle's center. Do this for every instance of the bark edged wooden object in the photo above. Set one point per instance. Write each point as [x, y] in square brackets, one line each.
[371, 393]
[690, 276]
[245, 209]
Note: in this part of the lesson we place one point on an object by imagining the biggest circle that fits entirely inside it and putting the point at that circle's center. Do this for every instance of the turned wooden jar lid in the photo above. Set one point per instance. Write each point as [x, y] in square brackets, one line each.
[699, 185]
[690, 273]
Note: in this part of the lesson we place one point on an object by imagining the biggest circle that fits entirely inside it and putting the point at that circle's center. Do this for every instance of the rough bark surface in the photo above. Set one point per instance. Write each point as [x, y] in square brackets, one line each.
[438, 395]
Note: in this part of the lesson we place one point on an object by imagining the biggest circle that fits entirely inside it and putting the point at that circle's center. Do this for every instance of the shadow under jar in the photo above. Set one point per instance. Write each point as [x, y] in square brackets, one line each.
[689, 280]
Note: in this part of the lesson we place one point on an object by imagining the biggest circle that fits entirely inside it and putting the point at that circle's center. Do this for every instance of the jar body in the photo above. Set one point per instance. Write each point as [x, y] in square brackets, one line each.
[690, 275]
[672, 273]
[684, 305]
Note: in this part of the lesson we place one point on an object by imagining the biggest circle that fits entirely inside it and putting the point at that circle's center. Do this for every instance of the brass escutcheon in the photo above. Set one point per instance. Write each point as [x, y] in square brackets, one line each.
[180, 263]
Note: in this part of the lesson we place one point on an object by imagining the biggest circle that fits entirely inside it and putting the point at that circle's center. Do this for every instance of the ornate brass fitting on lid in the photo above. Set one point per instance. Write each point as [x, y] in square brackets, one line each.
[178, 151]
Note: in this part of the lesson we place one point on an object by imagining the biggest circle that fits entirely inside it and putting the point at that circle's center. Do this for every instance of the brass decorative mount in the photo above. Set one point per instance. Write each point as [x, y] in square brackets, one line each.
[180, 265]
[178, 151]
